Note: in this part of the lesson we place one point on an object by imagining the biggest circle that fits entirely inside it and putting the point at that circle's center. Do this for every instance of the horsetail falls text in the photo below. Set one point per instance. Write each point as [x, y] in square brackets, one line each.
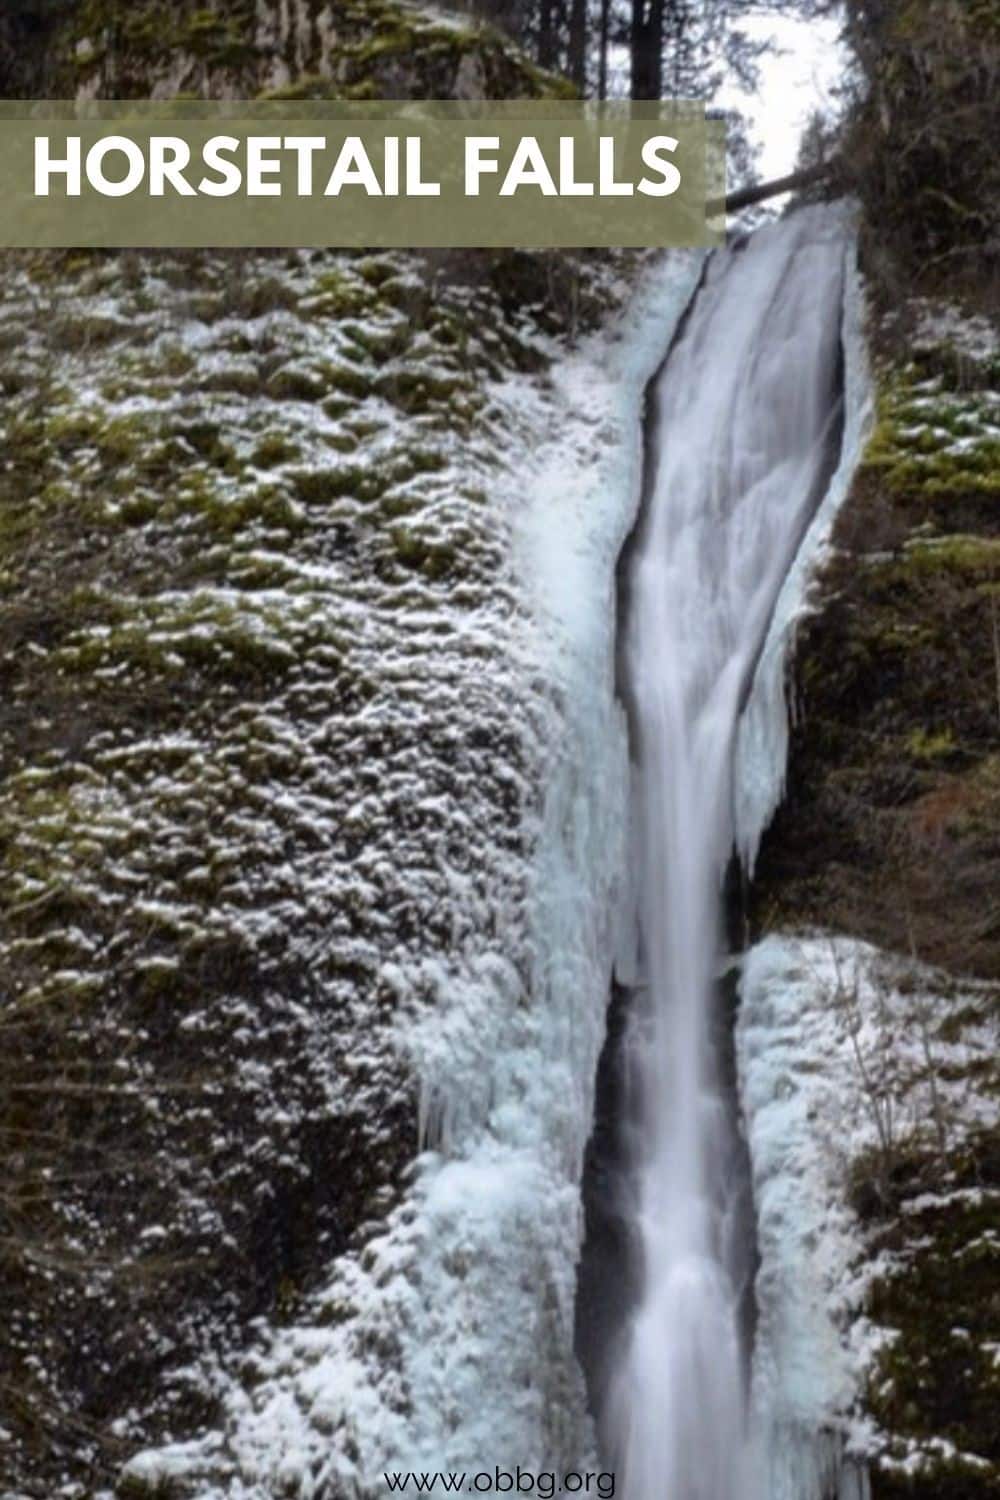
[305, 166]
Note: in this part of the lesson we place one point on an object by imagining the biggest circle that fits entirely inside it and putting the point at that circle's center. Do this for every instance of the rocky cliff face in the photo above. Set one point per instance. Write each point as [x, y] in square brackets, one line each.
[268, 741]
[246, 591]
[241, 49]
[890, 833]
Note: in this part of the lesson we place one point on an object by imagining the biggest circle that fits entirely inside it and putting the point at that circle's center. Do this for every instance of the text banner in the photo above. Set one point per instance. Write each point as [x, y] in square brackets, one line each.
[324, 173]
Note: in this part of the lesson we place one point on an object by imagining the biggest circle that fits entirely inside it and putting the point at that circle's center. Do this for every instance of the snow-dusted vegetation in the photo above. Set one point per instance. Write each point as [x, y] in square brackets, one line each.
[448, 1341]
[866, 1094]
[272, 760]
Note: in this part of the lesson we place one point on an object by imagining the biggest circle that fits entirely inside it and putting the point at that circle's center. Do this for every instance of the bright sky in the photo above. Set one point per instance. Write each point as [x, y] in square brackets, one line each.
[794, 81]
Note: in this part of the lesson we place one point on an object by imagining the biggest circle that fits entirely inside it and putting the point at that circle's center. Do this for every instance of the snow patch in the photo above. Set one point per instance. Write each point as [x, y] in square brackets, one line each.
[844, 1053]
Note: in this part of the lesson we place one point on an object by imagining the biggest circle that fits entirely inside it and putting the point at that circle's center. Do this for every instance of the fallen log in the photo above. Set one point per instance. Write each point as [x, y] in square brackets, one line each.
[804, 177]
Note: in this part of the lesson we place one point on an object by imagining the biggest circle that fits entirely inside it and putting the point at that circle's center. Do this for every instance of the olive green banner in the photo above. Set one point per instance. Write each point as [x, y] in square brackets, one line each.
[307, 173]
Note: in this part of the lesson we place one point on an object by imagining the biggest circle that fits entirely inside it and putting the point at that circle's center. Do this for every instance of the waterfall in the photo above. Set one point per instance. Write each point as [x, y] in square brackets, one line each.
[745, 421]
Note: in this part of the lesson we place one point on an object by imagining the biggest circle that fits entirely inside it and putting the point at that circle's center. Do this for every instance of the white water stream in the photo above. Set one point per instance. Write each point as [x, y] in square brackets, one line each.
[745, 422]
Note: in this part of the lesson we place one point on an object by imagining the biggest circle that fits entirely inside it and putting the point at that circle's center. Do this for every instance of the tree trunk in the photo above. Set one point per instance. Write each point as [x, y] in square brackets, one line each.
[602, 64]
[578, 43]
[646, 46]
[805, 177]
[546, 34]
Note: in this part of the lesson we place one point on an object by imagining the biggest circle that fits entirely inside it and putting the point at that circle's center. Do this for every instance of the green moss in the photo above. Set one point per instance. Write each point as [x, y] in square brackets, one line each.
[67, 429]
[81, 330]
[375, 270]
[934, 440]
[435, 560]
[374, 41]
[931, 746]
[219, 40]
[415, 389]
[233, 381]
[337, 406]
[273, 449]
[172, 637]
[390, 37]
[205, 439]
[945, 473]
[347, 380]
[416, 460]
[138, 40]
[936, 1378]
[309, 86]
[321, 486]
[977, 557]
[133, 1487]
[378, 340]
[296, 384]
[227, 512]
[121, 440]
[339, 294]
[172, 732]
[890, 829]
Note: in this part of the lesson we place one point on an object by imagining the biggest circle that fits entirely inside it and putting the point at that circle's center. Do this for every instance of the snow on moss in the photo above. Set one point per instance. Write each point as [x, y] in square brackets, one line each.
[870, 1097]
[342, 49]
[271, 761]
[445, 1340]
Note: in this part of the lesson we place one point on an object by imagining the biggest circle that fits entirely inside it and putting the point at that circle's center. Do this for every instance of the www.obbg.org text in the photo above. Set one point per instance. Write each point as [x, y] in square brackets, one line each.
[543, 1485]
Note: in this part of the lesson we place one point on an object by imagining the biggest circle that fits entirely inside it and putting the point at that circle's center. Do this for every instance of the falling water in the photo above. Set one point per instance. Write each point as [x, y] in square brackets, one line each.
[745, 421]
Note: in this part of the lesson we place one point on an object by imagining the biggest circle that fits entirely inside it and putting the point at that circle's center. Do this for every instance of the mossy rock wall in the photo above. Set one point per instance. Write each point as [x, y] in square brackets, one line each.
[263, 753]
[233, 49]
[890, 832]
[890, 827]
[257, 727]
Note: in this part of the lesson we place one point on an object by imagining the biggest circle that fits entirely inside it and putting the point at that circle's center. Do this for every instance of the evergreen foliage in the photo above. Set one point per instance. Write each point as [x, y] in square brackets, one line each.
[921, 141]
